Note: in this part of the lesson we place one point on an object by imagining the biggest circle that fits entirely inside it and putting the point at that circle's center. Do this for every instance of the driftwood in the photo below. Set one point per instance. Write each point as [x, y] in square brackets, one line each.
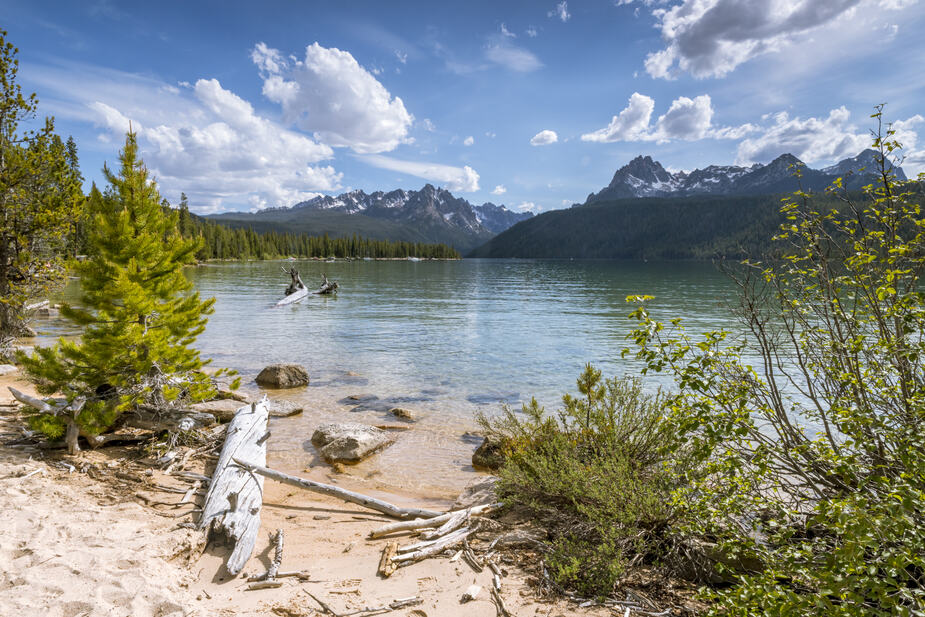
[437, 546]
[235, 495]
[268, 579]
[296, 289]
[334, 491]
[421, 523]
[68, 411]
[327, 287]
[386, 565]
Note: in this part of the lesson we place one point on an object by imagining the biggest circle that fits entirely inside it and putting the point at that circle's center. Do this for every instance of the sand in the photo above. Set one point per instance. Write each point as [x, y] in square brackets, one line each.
[83, 544]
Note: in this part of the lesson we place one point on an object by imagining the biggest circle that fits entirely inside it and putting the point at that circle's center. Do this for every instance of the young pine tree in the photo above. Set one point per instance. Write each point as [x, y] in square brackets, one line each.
[138, 316]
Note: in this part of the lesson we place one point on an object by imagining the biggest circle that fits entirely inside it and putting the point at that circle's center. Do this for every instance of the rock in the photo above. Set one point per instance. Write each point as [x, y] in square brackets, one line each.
[27, 332]
[402, 413]
[349, 442]
[488, 455]
[521, 538]
[234, 396]
[479, 492]
[283, 409]
[48, 311]
[362, 398]
[283, 376]
[6, 369]
[222, 409]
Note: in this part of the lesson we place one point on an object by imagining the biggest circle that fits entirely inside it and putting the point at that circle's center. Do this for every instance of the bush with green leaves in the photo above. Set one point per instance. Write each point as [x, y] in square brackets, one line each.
[594, 475]
[812, 457]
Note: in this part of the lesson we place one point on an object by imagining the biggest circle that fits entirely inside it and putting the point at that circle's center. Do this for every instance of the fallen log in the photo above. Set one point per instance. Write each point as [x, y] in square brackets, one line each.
[235, 496]
[438, 546]
[421, 523]
[327, 287]
[69, 411]
[334, 491]
[296, 289]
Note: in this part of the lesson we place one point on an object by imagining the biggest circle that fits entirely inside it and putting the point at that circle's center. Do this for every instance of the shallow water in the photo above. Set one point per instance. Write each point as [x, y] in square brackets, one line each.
[443, 339]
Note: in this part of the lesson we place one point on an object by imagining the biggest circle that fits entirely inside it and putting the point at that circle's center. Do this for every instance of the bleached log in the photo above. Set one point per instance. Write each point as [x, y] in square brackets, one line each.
[386, 566]
[277, 556]
[335, 491]
[444, 543]
[235, 496]
[421, 523]
[457, 520]
[69, 411]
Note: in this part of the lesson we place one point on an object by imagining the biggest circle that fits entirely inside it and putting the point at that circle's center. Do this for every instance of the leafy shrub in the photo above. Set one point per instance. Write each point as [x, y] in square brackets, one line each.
[813, 459]
[595, 475]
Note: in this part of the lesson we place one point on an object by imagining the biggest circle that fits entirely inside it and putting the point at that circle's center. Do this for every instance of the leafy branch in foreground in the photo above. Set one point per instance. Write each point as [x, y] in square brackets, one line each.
[812, 452]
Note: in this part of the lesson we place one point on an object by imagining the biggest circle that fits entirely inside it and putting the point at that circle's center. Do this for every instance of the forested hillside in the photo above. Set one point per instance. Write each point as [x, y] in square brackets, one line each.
[651, 228]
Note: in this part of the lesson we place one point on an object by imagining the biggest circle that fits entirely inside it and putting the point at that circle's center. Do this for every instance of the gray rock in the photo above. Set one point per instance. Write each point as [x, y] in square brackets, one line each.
[283, 376]
[479, 492]
[6, 369]
[283, 409]
[488, 455]
[402, 413]
[349, 442]
[222, 409]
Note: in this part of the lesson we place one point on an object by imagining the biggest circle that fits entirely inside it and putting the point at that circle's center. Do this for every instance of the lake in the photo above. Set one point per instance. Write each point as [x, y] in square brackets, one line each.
[444, 339]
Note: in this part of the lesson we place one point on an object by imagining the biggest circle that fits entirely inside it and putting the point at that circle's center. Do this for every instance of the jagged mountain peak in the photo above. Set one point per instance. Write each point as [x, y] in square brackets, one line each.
[645, 177]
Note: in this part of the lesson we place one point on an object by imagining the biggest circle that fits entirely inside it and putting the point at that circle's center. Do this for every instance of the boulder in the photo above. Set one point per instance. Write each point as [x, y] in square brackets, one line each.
[479, 492]
[6, 369]
[349, 442]
[283, 376]
[488, 455]
[222, 409]
[283, 409]
[402, 413]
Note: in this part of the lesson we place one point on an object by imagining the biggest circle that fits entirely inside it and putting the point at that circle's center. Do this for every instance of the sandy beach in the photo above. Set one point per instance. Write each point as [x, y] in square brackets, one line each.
[98, 534]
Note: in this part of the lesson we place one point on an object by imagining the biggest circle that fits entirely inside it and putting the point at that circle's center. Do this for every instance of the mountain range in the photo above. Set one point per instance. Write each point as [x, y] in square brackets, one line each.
[431, 215]
[643, 177]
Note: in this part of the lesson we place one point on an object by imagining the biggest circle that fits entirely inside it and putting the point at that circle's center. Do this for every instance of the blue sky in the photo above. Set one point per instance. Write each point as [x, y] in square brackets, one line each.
[528, 104]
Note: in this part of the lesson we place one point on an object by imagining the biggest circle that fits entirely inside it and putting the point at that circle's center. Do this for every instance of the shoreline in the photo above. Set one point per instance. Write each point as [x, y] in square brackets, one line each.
[103, 538]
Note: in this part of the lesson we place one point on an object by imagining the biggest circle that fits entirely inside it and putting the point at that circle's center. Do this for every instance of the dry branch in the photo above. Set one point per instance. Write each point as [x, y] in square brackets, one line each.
[421, 523]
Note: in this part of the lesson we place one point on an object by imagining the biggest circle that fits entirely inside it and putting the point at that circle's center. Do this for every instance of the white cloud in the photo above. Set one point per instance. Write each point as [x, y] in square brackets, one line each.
[896, 5]
[526, 206]
[468, 141]
[561, 11]
[810, 140]
[510, 56]
[463, 179]
[428, 125]
[402, 56]
[710, 38]
[507, 32]
[490, 134]
[686, 119]
[499, 190]
[330, 94]
[224, 155]
[531, 32]
[544, 138]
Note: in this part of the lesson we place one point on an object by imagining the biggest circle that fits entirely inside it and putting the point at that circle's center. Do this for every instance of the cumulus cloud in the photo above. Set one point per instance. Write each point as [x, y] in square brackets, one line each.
[331, 95]
[825, 139]
[544, 138]
[561, 11]
[468, 141]
[710, 38]
[463, 179]
[503, 53]
[224, 155]
[499, 190]
[686, 119]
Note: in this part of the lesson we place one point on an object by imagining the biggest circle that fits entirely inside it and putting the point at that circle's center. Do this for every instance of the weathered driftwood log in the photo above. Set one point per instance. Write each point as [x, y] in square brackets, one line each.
[69, 411]
[296, 289]
[327, 287]
[386, 565]
[235, 494]
[434, 548]
[334, 491]
[421, 523]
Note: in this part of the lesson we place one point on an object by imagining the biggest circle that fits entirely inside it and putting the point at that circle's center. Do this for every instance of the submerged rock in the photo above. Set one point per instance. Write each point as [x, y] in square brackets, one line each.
[283, 376]
[488, 455]
[402, 413]
[283, 409]
[349, 442]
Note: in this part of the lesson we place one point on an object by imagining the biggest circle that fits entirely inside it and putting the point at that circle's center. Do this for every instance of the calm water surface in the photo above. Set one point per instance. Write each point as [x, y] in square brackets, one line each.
[443, 339]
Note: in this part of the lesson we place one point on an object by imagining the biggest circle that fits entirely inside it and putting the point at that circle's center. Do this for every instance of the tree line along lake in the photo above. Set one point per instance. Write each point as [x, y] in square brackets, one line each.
[443, 339]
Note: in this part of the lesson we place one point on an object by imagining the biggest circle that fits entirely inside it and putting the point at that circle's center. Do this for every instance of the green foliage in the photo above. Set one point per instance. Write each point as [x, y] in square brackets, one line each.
[594, 475]
[40, 197]
[813, 459]
[139, 318]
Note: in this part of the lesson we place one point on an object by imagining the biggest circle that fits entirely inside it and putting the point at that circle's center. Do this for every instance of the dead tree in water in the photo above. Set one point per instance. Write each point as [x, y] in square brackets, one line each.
[296, 283]
[327, 287]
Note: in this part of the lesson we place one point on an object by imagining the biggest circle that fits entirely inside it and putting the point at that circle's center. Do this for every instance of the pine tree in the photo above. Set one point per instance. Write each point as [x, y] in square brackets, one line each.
[138, 314]
[40, 197]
